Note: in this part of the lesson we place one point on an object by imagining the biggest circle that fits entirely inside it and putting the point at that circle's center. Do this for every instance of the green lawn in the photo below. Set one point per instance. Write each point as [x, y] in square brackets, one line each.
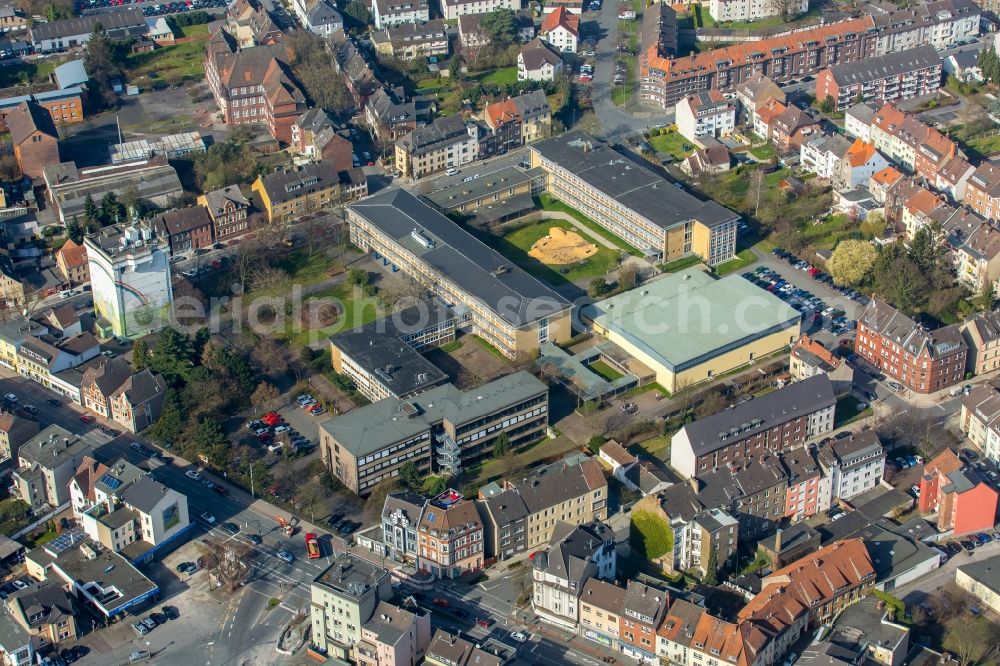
[198, 30]
[646, 388]
[518, 244]
[680, 264]
[673, 144]
[489, 347]
[452, 346]
[305, 269]
[846, 411]
[501, 77]
[548, 202]
[25, 73]
[353, 308]
[621, 93]
[171, 64]
[743, 259]
[604, 370]
[826, 234]
[763, 152]
[656, 447]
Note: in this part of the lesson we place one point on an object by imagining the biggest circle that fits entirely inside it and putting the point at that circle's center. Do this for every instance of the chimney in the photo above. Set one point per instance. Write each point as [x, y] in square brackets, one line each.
[777, 542]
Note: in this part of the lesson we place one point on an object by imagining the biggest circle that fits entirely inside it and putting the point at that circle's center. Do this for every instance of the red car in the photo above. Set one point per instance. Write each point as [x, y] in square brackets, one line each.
[483, 622]
[271, 419]
[219, 489]
[441, 602]
[87, 418]
[265, 436]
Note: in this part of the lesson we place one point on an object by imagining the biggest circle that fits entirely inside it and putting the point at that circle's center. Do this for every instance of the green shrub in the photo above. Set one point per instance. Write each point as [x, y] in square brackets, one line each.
[650, 535]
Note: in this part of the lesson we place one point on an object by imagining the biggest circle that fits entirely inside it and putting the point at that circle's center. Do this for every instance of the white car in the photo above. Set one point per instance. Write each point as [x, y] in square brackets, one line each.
[274, 448]
[304, 398]
[260, 431]
[191, 474]
[280, 429]
[208, 518]
[519, 636]
[11, 397]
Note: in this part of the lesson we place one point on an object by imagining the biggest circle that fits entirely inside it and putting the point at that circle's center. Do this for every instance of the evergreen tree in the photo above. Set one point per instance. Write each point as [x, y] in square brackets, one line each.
[91, 213]
[140, 355]
[501, 445]
[74, 230]
[101, 63]
[112, 211]
[712, 568]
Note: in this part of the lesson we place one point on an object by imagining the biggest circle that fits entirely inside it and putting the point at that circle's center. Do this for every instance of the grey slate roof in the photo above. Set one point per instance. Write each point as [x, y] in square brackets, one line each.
[52, 446]
[892, 64]
[484, 273]
[118, 24]
[283, 186]
[558, 485]
[409, 503]
[441, 132]
[536, 53]
[643, 602]
[850, 450]
[373, 427]
[145, 494]
[46, 599]
[985, 572]
[781, 406]
[887, 321]
[13, 636]
[571, 547]
[633, 185]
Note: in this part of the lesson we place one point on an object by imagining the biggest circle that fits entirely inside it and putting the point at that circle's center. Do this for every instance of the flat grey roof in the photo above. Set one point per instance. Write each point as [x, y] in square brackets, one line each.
[688, 317]
[985, 572]
[379, 348]
[457, 194]
[485, 274]
[633, 185]
[121, 582]
[371, 428]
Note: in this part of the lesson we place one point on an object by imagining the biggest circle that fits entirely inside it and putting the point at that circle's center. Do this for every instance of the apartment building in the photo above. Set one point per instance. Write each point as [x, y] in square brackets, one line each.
[355, 67]
[254, 85]
[98, 483]
[450, 537]
[292, 193]
[185, 229]
[982, 191]
[860, 163]
[71, 259]
[674, 637]
[575, 554]
[853, 464]
[408, 41]
[15, 431]
[401, 514]
[537, 61]
[730, 642]
[906, 141]
[963, 499]
[754, 10]
[319, 16]
[45, 611]
[344, 598]
[450, 650]
[387, 13]
[454, 9]
[882, 80]
[518, 120]
[522, 516]
[922, 361]
[791, 55]
[444, 143]
[229, 211]
[391, 116]
[600, 606]
[982, 337]
[977, 260]
[810, 357]
[823, 155]
[703, 114]
[443, 428]
[394, 636]
[131, 399]
[34, 137]
[643, 609]
[953, 177]
[809, 490]
[980, 580]
[779, 421]
[45, 465]
[633, 202]
[511, 310]
[561, 30]
[383, 357]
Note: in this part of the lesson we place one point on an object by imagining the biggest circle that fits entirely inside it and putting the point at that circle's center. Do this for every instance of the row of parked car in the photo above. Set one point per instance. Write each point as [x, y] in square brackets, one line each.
[153, 620]
[971, 542]
[819, 276]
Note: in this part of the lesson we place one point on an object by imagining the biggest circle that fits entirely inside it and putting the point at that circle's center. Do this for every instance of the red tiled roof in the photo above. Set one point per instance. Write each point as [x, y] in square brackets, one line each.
[498, 113]
[561, 17]
[73, 255]
[887, 176]
[859, 153]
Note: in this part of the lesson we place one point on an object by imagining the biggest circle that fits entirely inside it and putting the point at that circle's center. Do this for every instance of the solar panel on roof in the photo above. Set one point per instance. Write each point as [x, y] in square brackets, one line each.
[66, 540]
[111, 482]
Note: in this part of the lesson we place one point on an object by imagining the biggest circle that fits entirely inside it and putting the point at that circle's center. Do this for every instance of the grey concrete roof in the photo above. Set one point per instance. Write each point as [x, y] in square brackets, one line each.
[92, 563]
[796, 399]
[125, 21]
[892, 64]
[850, 450]
[350, 576]
[603, 595]
[643, 602]
[13, 637]
[633, 185]
[378, 348]
[145, 494]
[484, 273]
[689, 317]
[454, 195]
[985, 572]
[52, 446]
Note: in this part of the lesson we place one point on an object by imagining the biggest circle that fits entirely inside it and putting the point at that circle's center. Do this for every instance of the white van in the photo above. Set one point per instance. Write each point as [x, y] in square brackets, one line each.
[66, 293]
[451, 171]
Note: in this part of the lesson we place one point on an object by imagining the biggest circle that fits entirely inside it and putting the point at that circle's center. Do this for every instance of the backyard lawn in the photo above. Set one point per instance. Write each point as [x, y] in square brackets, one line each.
[673, 144]
[846, 411]
[621, 93]
[171, 64]
[680, 264]
[520, 241]
[25, 73]
[501, 77]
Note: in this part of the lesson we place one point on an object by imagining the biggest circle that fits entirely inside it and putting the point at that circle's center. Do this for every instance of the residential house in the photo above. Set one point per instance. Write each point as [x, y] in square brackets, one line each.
[137, 403]
[34, 137]
[882, 182]
[823, 155]
[289, 194]
[100, 381]
[647, 478]
[705, 114]
[185, 229]
[250, 24]
[41, 358]
[963, 499]
[878, 81]
[456, 9]
[600, 607]
[387, 13]
[964, 66]
[450, 534]
[714, 158]
[46, 612]
[858, 122]
[71, 259]
[524, 25]
[354, 67]
[538, 62]
[450, 650]
[16, 645]
[618, 458]
[254, 85]
[866, 632]
[344, 598]
[445, 143]
[981, 581]
[522, 516]
[922, 361]
[918, 209]
[519, 120]
[46, 464]
[953, 177]
[854, 464]
[14, 431]
[730, 642]
[674, 637]
[471, 35]
[560, 29]
[11, 287]
[860, 163]
[401, 515]
[810, 358]
[392, 118]
[781, 420]
[408, 41]
[229, 211]
[754, 10]
[982, 337]
[319, 16]
[395, 635]
[575, 554]
[790, 128]
[977, 260]
[808, 491]
[982, 191]
[755, 91]
[790, 544]
[643, 609]
[13, 19]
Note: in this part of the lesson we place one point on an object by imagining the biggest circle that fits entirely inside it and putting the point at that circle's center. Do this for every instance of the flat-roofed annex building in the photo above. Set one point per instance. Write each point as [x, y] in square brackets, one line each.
[442, 428]
[689, 326]
[632, 202]
[510, 309]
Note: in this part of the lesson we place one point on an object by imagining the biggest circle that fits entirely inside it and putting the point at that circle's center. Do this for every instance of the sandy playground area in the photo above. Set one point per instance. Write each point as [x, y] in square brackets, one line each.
[562, 247]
